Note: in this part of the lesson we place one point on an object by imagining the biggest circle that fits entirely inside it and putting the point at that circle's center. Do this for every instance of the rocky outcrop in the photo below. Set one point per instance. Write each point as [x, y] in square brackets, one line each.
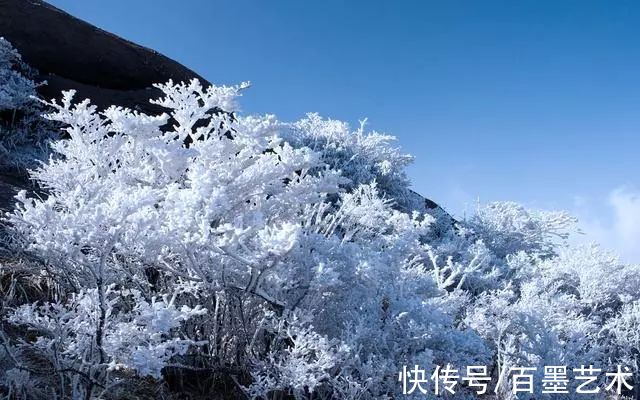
[72, 54]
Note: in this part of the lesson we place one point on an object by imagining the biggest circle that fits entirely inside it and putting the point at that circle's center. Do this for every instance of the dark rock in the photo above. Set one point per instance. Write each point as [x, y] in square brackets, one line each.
[10, 185]
[444, 221]
[72, 54]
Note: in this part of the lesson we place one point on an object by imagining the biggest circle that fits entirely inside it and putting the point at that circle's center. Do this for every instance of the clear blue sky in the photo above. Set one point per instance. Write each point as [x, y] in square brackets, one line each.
[532, 101]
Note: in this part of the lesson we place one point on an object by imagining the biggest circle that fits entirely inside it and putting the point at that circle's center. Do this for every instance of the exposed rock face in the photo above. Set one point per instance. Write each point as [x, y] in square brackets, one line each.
[72, 54]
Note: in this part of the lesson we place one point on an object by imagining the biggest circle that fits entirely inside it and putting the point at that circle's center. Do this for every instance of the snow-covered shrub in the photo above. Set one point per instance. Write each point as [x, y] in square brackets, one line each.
[624, 330]
[263, 229]
[23, 132]
[508, 228]
[361, 157]
[94, 333]
[16, 89]
[575, 308]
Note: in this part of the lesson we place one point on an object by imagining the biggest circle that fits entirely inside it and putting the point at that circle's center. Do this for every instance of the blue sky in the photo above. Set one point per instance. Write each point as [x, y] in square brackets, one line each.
[531, 101]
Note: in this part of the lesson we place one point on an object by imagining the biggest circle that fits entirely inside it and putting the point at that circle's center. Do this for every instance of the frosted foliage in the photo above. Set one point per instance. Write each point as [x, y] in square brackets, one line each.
[274, 257]
[508, 227]
[624, 331]
[23, 133]
[133, 336]
[15, 88]
[361, 156]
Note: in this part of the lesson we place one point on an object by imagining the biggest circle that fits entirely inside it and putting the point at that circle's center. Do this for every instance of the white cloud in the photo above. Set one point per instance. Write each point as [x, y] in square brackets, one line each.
[619, 228]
